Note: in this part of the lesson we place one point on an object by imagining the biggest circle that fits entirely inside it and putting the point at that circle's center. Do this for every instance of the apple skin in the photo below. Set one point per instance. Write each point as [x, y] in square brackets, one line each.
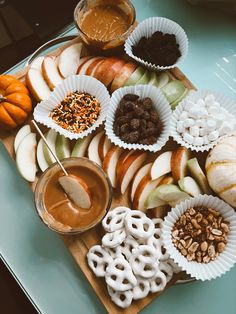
[50, 72]
[135, 77]
[96, 61]
[62, 147]
[123, 75]
[179, 161]
[197, 173]
[141, 173]
[125, 154]
[190, 186]
[153, 79]
[93, 148]
[43, 165]
[110, 163]
[82, 62]
[51, 137]
[107, 70]
[128, 169]
[145, 78]
[167, 180]
[81, 145]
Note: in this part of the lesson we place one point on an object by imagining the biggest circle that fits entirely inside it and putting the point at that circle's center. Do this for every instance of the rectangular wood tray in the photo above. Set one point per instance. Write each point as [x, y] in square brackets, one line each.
[79, 245]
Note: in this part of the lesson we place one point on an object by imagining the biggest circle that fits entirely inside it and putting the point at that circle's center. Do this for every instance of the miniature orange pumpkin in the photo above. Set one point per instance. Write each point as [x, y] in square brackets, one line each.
[15, 103]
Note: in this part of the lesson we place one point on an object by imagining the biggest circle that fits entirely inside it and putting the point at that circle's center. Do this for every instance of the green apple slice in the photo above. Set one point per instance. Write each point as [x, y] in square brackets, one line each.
[135, 76]
[51, 138]
[163, 79]
[173, 90]
[170, 193]
[190, 186]
[177, 101]
[153, 79]
[81, 145]
[43, 165]
[25, 130]
[196, 171]
[153, 200]
[25, 157]
[62, 147]
[145, 78]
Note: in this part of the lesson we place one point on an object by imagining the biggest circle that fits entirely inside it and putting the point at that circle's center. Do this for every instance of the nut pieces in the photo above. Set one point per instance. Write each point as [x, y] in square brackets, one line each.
[200, 234]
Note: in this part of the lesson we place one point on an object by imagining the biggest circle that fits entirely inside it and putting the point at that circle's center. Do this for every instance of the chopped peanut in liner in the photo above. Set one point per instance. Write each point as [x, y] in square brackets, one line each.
[77, 112]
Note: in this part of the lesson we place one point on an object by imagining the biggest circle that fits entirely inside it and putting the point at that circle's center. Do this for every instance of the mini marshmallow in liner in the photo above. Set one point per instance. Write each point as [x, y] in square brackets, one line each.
[224, 260]
[160, 104]
[73, 83]
[193, 97]
[148, 27]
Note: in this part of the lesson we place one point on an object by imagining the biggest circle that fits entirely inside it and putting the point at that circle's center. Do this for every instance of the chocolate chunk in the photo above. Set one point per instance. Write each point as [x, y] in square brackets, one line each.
[129, 105]
[138, 112]
[149, 140]
[122, 120]
[116, 129]
[154, 116]
[150, 125]
[131, 97]
[124, 128]
[146, 115]
[150, 132]
[135, 124]
[147, 103]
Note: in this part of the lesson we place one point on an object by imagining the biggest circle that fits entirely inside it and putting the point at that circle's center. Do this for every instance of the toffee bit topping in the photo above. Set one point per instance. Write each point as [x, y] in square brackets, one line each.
[77, 112]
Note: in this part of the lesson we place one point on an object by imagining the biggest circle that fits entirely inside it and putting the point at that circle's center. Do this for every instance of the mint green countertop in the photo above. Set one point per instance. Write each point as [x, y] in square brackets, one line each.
[38, 258]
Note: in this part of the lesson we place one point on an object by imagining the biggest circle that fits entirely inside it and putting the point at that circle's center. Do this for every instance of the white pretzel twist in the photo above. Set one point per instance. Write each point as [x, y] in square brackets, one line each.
[122, 299]
[114, 220]
[175, 267]
[142, 289]
[139, 225]
[113, 239]
[144, 261]
[164, 255]
[158, 282]
[157, 223]
[128, 245]
[119, 275]
[98, 260]
[167, 270]
[114, 252]
[156, 244]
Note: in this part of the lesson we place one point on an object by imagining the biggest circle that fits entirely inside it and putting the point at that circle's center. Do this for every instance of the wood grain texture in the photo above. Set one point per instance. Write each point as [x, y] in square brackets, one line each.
[79, 245]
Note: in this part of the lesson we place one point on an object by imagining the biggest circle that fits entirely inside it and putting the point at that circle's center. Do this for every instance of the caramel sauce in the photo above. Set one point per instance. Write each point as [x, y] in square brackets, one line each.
[64, 211]
[104, 22]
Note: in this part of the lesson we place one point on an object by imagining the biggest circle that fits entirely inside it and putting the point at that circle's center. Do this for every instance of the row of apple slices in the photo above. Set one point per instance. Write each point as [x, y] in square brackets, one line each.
[152, 183]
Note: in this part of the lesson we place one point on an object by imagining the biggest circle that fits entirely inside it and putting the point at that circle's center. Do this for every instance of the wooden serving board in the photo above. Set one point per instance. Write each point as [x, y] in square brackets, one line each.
[79, 245]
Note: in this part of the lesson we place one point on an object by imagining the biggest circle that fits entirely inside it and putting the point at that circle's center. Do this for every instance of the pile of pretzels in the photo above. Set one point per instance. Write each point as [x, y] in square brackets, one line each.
[132, 257]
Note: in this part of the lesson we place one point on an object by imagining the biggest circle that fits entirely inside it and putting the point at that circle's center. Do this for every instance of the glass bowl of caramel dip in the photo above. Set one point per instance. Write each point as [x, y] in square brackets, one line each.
[58, 211]
[104, 25]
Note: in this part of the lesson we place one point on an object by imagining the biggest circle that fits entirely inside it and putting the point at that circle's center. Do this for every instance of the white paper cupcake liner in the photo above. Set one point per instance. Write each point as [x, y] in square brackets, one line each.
[150, 26]
[224, 261]
[161, 105]
[194, 96]
[81, 83]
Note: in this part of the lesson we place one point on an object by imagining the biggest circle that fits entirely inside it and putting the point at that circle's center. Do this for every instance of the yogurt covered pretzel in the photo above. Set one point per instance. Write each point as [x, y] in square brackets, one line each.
[114, 220]
[158, 282]
[139, 225]
[122, 299]
[142, 289]
[113, 239]
[98, 259]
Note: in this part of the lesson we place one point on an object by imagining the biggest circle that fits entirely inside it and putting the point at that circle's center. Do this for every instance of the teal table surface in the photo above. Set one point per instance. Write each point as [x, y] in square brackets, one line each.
[38, 258]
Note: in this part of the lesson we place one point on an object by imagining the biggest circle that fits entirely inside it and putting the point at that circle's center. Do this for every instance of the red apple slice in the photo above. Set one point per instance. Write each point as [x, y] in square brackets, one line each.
[77, 190]
[145, 170]
[167, 180]
[37, 85]
[179, 161]
[37, 63]
[51, 73]
[145, 187]
[104, 146]
[107, 70]
[93, 148]
[161, 165]
[69, 59]
[125, 154]
[96, 66]
[92, 65]
[129, 168]
[88, 64]
[110, 163]
[123, 75]
[82, 61]
[100, 146]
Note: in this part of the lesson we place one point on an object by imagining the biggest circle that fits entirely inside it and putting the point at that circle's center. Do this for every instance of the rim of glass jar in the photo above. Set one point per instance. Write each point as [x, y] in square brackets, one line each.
[74, 231]
[80, 4]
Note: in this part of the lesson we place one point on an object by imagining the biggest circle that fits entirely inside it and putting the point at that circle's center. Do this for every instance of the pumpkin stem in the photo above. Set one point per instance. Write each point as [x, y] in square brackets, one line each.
[2, 98]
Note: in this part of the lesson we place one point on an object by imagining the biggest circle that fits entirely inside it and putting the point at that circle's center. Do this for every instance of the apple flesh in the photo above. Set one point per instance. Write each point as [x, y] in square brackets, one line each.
[77, 190]
[62, 147]
[145, 78]
[50, 72]
[170, 194]
[178, 100]
[93, 148]
[125, 154]
[123, 75]
[82, 61]
[173, 90]
[26, 157]
[163, 79]
[153, 201]
[196, 171]
[51, 138]
[94, 63]
[179, 161]
[190, 186]
[162, 165]
[81, 145]
[37, 85]
[25, 130]
[142, 172]
[69, 60]
[43, 165]
[167, 180]
[153, 79]
[110, 163]
[135, 77]
[87, 66]
[37, 63]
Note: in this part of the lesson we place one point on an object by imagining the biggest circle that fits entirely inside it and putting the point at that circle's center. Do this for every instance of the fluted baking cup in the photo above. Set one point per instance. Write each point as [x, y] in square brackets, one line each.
[160, 104]
[194, 96]
[80, 83]
[224, 260]
[149, 27]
